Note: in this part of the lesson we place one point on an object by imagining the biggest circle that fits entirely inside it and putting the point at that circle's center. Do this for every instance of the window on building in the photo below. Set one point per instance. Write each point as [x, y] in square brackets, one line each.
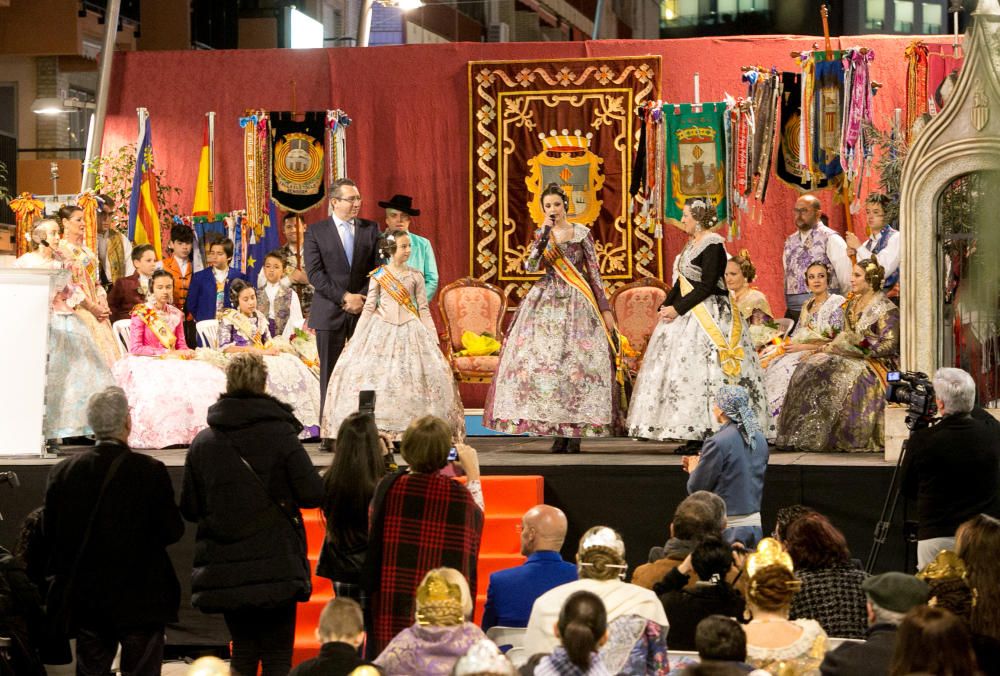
[8, 108]
[970, 280]
[904, 16]
[875, 15]
[932, 17]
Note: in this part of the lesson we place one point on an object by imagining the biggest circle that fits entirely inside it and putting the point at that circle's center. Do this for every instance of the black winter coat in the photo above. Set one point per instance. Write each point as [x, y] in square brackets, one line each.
[953, 471]
[248, 551]
[125, 576]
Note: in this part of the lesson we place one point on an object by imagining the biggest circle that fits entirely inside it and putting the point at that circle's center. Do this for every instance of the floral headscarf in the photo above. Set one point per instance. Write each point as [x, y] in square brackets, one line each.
[735, 403]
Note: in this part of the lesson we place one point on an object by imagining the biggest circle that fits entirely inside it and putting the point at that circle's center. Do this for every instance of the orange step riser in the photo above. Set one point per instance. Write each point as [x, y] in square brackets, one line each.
[507, 498]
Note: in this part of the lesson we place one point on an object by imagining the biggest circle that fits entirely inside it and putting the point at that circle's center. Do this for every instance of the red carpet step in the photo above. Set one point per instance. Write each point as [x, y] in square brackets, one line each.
[507, 499]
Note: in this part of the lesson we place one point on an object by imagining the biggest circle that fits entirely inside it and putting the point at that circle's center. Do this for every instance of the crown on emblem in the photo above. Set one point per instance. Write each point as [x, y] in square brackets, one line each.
[564, 142]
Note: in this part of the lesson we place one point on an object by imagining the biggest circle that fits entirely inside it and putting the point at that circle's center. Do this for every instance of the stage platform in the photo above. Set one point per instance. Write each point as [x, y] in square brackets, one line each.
[630, 485]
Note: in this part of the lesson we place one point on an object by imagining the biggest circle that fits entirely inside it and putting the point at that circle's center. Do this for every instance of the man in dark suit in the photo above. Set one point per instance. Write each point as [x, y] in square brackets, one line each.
[890, 597]
[340, 252]
[125, 589]
[512, 592]
[132, 290]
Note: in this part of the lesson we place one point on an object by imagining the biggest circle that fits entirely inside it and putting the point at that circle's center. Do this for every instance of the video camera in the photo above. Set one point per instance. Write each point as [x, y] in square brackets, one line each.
[915, 391]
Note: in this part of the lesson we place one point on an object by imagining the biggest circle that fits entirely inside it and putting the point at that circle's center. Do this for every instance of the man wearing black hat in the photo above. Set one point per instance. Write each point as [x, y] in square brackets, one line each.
[398, 214]
[890, 597]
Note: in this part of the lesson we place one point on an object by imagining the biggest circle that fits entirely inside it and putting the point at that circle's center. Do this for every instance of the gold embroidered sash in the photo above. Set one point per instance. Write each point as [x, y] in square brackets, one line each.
[731, 353]
[152, 319]
[245, 326]
[567, 272]
[394, 288]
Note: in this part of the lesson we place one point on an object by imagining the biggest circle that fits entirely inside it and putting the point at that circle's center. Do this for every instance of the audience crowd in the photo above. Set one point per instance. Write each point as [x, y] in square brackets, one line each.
[401, 547]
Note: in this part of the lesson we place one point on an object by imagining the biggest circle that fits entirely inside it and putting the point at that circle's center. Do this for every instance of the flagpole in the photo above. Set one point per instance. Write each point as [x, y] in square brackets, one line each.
[142, 114]
[211, 162]
[103, 88]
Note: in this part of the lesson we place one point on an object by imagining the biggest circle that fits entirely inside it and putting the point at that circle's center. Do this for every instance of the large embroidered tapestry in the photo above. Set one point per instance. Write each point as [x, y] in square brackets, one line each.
[570, 122]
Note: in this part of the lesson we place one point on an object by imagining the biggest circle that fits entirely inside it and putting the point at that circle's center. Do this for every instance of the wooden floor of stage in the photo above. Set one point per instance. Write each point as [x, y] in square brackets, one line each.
[504, 451]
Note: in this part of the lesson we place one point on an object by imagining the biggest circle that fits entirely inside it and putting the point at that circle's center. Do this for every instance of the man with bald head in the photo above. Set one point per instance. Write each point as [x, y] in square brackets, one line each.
[512, 592]
[812, 242]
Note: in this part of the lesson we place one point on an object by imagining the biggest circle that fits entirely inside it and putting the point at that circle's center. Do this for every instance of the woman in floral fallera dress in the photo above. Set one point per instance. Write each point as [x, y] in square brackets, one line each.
[90, 302]
[698, 345]
[836, 398]
[556, 375]
[394, 351]
[821, 319]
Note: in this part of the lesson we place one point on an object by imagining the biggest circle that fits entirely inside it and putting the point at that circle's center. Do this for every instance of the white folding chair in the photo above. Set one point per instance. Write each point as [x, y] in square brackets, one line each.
[208, 331]
[512, 636]
[123, 331]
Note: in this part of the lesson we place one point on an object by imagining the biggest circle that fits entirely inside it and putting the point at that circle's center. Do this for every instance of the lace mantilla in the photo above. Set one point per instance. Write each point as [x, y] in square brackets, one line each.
[685, 261]
[800, 647]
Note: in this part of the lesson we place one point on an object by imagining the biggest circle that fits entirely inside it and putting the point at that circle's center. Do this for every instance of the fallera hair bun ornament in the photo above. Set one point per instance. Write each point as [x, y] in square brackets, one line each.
[604, 537]
[946, 565]
[699, 204]
[439, 602]
[769, 552]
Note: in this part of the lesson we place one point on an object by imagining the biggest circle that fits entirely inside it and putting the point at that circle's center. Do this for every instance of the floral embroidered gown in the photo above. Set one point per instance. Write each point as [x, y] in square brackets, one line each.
[395, 353]
[169, 397]
[288, 379]
[836, 402]
[82, 264]
[681, 370]
[813, 325]
[76, 367]
[556, 375]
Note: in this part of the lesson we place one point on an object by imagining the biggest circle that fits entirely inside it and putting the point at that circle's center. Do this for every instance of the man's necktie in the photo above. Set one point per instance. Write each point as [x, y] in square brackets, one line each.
[347, 238]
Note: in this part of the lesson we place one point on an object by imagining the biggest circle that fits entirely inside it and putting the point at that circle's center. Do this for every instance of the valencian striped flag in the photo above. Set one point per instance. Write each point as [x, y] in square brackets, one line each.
[143, 210]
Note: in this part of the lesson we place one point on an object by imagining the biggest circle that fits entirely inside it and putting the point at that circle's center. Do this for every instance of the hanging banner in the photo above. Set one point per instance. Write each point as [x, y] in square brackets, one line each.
[570, 122]
[787, 167]
[696, 157]
[828, 102]
[297, 160]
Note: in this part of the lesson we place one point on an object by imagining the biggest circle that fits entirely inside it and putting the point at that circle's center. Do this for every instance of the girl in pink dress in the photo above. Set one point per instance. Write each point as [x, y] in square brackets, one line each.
[169, 391]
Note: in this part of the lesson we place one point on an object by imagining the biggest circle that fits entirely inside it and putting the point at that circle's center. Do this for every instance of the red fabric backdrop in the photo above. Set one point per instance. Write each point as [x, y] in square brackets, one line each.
[410, 109]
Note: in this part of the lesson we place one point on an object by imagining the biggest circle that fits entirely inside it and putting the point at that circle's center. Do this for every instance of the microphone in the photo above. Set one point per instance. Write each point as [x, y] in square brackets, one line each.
[44, 243]
[11, 478]
[543, 241]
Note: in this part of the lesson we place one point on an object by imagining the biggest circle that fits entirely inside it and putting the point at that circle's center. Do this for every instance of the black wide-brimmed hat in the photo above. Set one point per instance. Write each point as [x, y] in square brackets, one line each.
[402, 203]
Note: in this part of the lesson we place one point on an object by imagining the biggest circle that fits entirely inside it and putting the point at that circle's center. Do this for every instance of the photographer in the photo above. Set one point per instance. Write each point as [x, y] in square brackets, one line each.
[420, 519]
[952, 468]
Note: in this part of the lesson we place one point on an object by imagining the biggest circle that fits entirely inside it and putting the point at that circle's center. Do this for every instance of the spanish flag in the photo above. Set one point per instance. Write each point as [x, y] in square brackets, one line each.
[203, 187]
[143, 211]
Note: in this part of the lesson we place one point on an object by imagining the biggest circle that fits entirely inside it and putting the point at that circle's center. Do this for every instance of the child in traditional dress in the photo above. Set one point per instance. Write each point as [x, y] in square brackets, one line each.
[394, 351]
[160, 362]
[210, 288]
[276, 299]
[246, 329]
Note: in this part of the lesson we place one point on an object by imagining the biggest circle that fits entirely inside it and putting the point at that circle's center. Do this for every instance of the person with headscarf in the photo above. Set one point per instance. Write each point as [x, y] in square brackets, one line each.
[732, 464]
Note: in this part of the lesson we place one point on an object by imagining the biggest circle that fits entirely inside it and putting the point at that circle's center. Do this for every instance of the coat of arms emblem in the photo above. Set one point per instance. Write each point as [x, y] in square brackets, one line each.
[567, 161]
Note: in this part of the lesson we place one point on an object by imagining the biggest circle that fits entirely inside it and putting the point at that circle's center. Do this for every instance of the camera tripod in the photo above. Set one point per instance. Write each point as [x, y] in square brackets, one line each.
[913, 423]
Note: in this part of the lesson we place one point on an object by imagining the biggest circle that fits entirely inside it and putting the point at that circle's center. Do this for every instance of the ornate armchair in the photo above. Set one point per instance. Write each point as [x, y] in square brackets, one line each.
[469, 304]
[635, 306]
